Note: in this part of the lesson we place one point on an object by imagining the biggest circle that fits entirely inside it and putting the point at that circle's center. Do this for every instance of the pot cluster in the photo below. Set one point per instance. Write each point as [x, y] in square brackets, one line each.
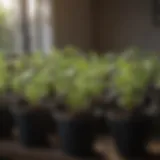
[77, 85]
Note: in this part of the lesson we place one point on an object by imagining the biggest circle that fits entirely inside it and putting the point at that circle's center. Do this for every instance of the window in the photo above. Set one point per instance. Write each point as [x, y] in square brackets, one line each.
[38, 26]
[5, 29]
[40, 23]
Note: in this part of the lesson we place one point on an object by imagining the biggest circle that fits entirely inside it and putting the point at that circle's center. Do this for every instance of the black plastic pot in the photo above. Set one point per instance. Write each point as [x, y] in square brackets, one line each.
[100, 126]
[34, 128]
[77, 137]
[156, 129]
[131, 135]
[6, 123]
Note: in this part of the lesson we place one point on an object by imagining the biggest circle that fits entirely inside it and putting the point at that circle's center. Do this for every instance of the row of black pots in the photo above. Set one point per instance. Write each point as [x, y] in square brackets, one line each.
[34, 126]
[77, 135]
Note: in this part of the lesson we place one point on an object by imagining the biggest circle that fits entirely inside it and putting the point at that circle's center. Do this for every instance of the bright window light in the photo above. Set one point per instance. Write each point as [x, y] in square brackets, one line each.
[6, 4]
[32, 5]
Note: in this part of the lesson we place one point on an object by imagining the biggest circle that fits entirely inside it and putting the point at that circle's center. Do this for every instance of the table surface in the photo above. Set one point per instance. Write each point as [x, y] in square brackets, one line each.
[103, 145]
[106, 146]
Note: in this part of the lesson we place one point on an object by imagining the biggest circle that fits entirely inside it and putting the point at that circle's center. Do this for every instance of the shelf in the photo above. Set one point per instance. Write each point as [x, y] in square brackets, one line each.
[103, 145]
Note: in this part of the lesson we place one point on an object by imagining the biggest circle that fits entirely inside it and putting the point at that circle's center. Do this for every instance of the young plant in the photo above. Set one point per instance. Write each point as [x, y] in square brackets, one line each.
[4, 77]
[36, 88]
[80, 79]
[131, 81]
[30, 79]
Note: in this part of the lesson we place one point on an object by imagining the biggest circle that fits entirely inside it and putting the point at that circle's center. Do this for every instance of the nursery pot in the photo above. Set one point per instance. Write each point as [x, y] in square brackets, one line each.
[130, 134]
[156, 129]
[34, 126]
[100, 125]
[76, 136]
[6, 123]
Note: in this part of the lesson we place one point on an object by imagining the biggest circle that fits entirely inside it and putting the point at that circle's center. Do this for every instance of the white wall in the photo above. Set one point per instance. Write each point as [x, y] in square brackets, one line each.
[127, 23]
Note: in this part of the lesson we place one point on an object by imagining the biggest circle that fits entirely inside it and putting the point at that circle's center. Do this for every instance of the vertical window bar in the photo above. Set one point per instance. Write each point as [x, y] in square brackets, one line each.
[25, 26]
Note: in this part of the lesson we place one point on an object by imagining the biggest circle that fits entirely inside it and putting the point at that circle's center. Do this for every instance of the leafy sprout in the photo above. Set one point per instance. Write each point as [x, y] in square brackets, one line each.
[131, 80]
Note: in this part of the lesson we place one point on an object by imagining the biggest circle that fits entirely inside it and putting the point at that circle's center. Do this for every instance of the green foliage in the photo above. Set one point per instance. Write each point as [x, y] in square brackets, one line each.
[79, 78]
[132, 77]
[87, 82]
[4, 76]
[5, 31]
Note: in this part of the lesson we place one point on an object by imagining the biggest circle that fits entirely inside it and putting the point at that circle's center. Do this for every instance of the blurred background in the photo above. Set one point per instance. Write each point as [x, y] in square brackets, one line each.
[104, 25]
